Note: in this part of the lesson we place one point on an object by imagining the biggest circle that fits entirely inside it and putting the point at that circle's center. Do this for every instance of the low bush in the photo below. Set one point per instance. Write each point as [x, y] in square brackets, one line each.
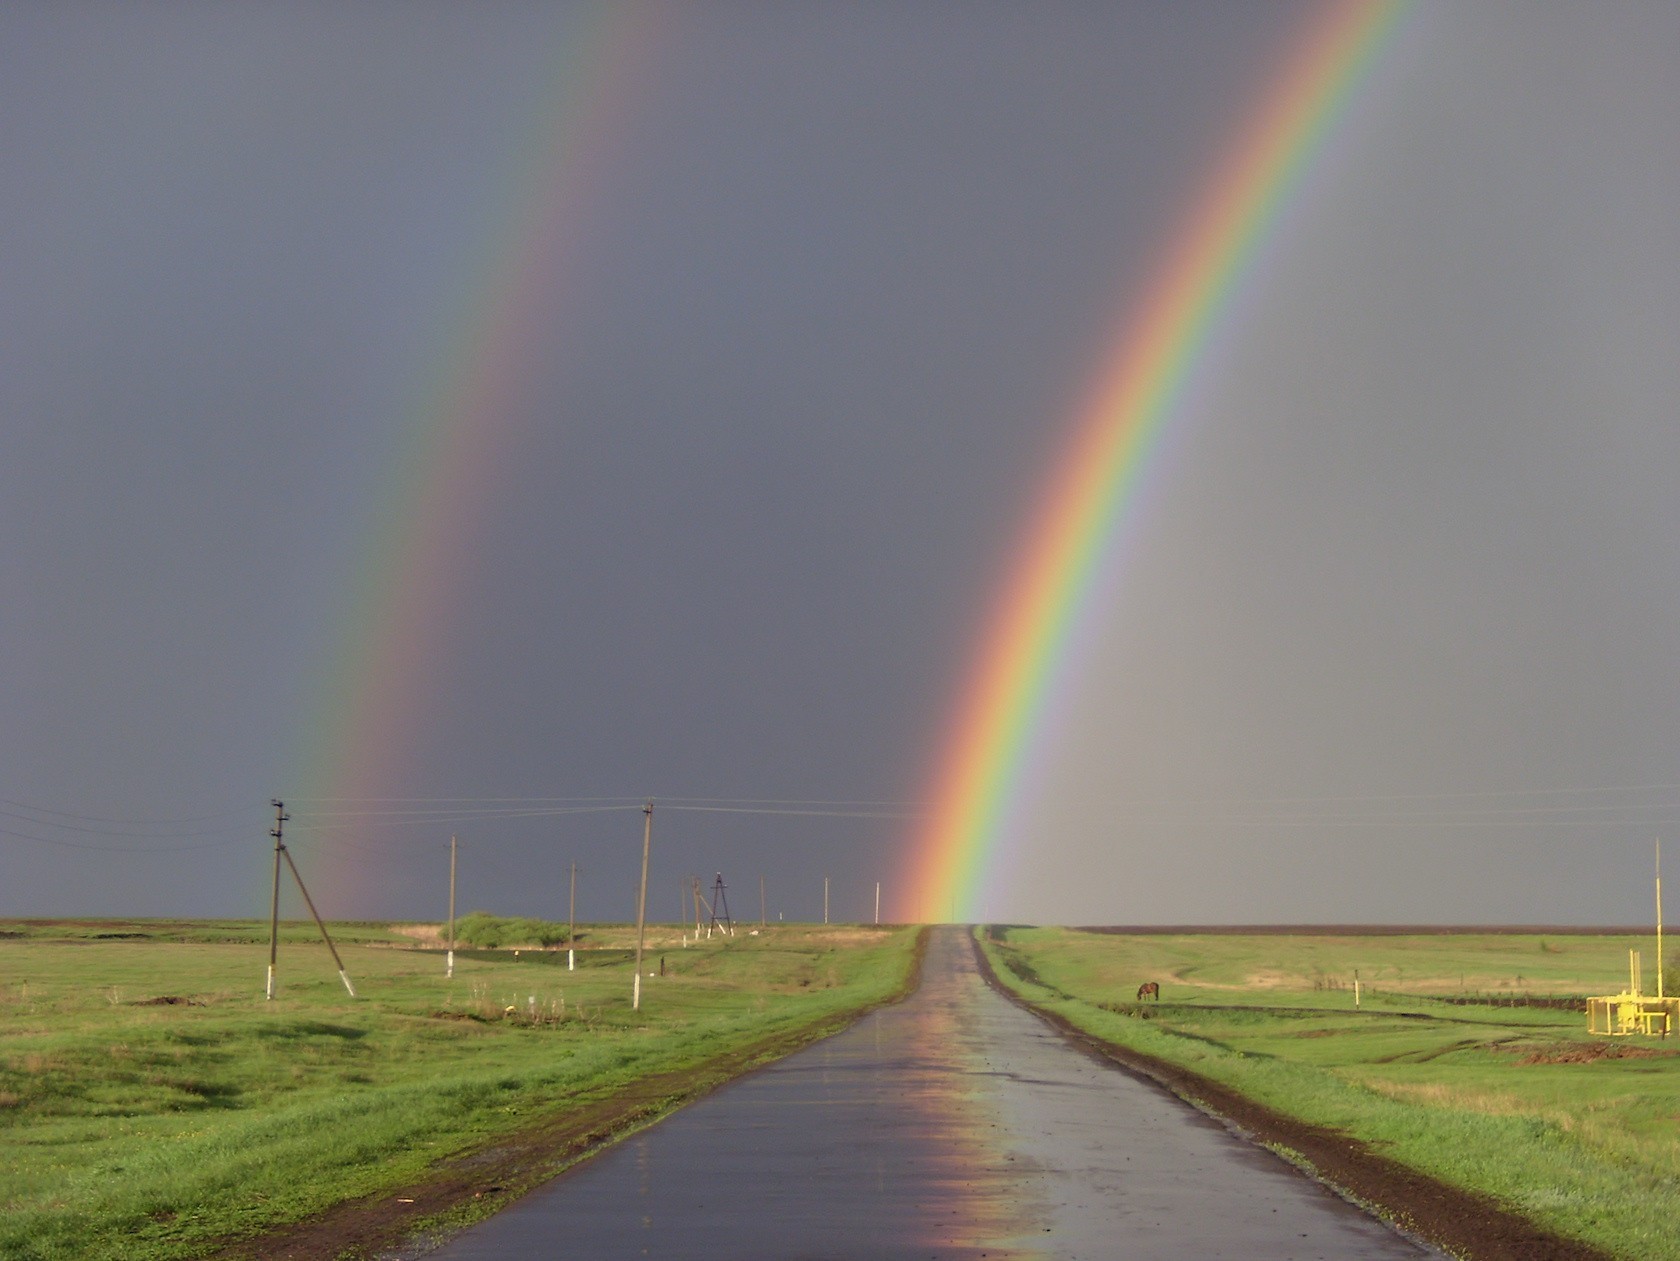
[492, 932]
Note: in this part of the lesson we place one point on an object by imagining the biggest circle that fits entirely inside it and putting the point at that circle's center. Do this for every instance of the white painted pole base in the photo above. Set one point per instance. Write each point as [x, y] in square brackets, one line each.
[271, 982]
[345, 978]
[571, 961]
[449, 967]
[636, 993]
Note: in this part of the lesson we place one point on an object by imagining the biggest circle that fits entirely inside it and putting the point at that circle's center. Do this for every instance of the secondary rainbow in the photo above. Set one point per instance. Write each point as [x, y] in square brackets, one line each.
[456, 436]
[1001, 707]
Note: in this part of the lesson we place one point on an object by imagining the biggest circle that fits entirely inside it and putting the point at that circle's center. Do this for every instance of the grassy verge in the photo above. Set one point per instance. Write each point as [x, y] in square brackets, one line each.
[1518, 1104]
[152, 1104]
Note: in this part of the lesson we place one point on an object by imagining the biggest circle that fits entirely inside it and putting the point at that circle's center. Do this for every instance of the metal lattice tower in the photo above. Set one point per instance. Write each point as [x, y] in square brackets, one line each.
[720, 908]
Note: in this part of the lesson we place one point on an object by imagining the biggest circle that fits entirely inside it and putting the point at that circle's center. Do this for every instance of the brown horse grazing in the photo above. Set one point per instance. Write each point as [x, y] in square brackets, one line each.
[1149, 989]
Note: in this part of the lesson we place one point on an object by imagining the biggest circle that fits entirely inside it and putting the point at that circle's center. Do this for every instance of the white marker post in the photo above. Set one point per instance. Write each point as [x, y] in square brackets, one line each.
[449, 964]
[641, 905]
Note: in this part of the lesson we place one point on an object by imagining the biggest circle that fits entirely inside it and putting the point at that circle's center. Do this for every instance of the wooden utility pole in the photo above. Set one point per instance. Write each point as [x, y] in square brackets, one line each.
[877, 901]
[641, 905]
[449, 967]
[761, 901]
[825, 899]
[277, 831]
[571, 929]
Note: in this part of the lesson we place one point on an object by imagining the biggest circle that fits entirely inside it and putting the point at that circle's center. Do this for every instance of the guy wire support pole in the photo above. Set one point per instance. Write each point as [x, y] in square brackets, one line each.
[280, 817]
[449, 967]
[641, 905]
[709, 911]
[325, 936]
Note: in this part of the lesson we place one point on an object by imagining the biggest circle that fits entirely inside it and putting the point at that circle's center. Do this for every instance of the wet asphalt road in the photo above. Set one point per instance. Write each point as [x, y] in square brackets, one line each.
[954, 1125]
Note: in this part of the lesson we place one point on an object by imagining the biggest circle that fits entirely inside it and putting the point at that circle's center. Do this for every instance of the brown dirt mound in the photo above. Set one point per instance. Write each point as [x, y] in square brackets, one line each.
[1584, 1052]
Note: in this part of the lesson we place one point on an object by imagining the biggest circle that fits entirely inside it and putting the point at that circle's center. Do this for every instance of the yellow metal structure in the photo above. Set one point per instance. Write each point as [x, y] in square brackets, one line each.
[1618, 1015]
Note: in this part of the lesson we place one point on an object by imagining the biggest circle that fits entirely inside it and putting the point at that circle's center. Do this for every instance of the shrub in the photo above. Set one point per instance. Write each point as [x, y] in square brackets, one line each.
[492, 932]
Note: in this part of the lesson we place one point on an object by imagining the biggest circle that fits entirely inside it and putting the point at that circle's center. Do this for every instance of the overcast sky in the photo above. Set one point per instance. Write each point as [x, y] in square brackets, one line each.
[1394, 637]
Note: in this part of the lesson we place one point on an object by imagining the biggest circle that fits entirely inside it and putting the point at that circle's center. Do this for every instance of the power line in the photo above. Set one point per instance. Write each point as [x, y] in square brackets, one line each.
[86, 831]
[162, 823]
[832, 814]
[1403, 797]
[800, 801]
[54, 823]
[470, 800]
[452, 816]
[60, 843]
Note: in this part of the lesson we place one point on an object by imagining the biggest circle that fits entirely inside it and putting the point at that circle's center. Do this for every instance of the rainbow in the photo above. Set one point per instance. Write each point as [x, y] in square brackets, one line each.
[1024, 644]
[456, 436]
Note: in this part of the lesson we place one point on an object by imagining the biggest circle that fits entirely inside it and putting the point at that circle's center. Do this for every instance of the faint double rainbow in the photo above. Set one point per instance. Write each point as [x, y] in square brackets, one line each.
[460, 431]
[1001, 709]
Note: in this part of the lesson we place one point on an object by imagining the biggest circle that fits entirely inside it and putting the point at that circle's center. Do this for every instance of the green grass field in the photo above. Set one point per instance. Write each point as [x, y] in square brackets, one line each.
[152, 1102]
[1581, 1134]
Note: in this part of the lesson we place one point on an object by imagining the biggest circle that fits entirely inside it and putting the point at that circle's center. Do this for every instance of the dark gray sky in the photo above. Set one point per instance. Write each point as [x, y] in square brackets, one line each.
[1393, 636]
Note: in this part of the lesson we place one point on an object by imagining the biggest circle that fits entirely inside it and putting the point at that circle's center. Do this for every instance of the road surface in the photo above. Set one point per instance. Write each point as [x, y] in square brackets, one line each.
[954, 1125]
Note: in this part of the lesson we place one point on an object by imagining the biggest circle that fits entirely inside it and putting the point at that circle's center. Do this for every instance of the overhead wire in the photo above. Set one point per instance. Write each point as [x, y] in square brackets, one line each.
[346, 820]
[1524, 808]
[310, 823]
[830, 814]
[87, 831]
[46, 825]
[60, 843]
[231, 813]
